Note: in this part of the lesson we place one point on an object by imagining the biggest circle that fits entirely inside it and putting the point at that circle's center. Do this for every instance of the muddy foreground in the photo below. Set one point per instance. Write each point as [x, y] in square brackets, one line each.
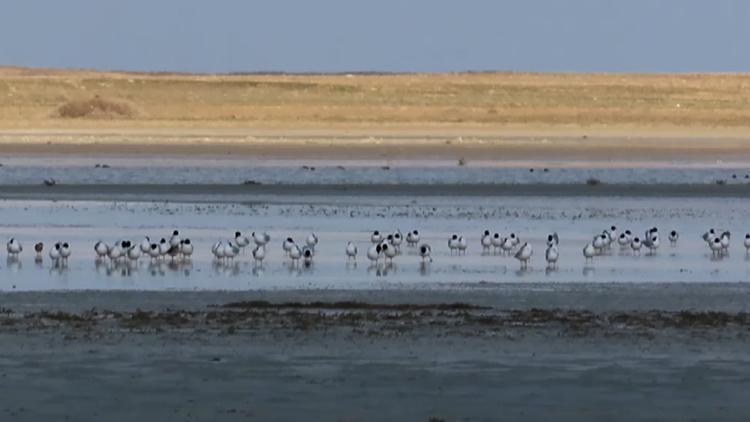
[311, 355]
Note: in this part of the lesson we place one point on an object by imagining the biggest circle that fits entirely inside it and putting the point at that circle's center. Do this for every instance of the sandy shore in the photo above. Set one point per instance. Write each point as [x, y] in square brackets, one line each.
[532, 145]
[281, 356]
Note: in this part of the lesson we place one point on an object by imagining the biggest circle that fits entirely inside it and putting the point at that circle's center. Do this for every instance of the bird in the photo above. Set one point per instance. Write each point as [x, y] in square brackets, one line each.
[673, 236]
[145, 245]
[636, 244]
[153, 251]
[486, 241]
[709, 235]
[230, 250]
[398, 239]
[623, 240]
[524, 254]
[651, 242]
[389, 251]
[351, 251]
[725, 241]
[14, 247]
[376, 237]
[174, 240]
[65, 252]
[114, 253]
[287, 245]
[38, 248]
[462, 245]
[715, 246]
[589, 251]
[134, 254]
[241, 240]
[312, 241]
[497, 241]
[553, 239]
[747, 242]
[295, 253]
[261, 238]
[259, 253]
[373, 253]
[164, 247]
[600, 242]
[412, 238]
[186, 248]
[217, 250]
[307, 255]
[54, 253]
[551, 255]
[425, 251]
[453, 243]
[507, 244]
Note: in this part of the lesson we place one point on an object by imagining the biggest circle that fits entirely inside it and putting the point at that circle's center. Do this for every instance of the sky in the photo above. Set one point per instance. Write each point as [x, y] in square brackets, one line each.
[378, 35]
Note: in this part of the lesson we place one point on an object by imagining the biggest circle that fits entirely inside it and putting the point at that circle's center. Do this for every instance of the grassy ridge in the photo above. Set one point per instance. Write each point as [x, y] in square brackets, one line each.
[34, 98]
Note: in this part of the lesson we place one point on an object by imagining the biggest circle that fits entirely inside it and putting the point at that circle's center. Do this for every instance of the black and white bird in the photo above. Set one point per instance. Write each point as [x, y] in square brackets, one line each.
[673, 237]
[524, 254]
[486, 241]
[589, 251]
[552, 255]
[14, 247]
[425, 251]
[259, 254]
[412, 238]
[351, 251]
[553, 239]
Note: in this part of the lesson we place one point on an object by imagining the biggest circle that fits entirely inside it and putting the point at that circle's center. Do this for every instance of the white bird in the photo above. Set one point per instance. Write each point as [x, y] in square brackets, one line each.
[351, 251]
[715, 246]
[217, 250]
[397, 240]
[145, 245]
[425, 251]
[115, 252]
[589, 251]
[38, 248]
[312, 241]
[524, 254]
[612, 233]
[673, 236]
[516, 240]
[259, 253]
[373, 253]
[462, 245]
[153, 251]
[54, 252]
[261, 238]
[635, 244]
[14, 247]
[725, 241]
[101, 249]
[307, 255]
[600, 242]
[412, 238]
[623, 240]
[553, 239]
[551, 255]
[708, 236]
[453, 243]
[134, 254]
[164, 247]
[747, 242]
[295, 253]
[186, 248]
[389, 251]
[376, 237]
[174, 240]
[287, 245]
[497, 241]
[486, 241]
[507, 244]
[230, 250]
[652, 242]
[241, 240]
[65, 251]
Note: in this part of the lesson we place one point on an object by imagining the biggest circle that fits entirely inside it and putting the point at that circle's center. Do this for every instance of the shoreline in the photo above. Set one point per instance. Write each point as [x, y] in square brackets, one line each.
[285, 193]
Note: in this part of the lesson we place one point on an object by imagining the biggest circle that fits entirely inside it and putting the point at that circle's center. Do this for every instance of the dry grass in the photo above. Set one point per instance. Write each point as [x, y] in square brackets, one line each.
[95, 108]
[32, 98]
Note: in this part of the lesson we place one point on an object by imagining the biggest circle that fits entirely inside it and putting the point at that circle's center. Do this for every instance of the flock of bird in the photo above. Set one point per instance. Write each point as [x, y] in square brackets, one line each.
[383, 248]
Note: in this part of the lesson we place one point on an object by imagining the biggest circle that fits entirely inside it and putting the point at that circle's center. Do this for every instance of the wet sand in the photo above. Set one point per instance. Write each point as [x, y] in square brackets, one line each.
[288, 355]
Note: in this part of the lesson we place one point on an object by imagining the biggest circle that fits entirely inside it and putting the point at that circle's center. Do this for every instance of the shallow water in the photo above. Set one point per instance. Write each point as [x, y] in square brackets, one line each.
[33, 169]
[352, 218]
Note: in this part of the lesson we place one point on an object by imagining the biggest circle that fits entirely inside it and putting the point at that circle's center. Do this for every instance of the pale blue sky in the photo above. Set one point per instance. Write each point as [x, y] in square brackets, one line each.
[382, 35]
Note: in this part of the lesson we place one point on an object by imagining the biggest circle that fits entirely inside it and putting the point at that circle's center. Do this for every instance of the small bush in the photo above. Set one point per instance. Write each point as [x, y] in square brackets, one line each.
[95, 108]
